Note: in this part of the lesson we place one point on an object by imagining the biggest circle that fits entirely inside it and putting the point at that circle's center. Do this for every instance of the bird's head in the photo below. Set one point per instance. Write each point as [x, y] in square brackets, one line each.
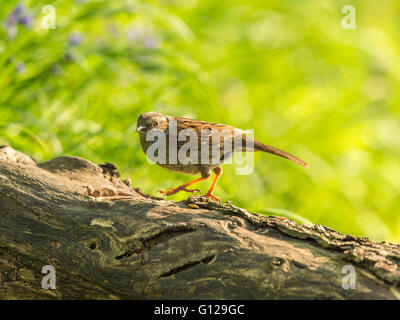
[151, 121]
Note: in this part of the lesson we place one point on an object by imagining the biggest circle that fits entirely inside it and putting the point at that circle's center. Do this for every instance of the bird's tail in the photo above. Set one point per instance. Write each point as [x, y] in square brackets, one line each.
[259, 146]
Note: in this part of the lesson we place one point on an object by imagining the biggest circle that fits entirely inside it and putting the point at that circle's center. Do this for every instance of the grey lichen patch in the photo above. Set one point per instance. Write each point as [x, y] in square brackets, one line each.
[103, 223]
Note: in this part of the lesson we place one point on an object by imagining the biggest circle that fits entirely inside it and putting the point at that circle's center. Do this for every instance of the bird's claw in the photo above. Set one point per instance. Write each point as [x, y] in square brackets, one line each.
[176, 190]
[210, 195]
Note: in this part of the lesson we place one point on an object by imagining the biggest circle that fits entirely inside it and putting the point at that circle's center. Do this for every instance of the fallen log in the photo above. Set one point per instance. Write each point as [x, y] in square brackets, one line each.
[107, 240]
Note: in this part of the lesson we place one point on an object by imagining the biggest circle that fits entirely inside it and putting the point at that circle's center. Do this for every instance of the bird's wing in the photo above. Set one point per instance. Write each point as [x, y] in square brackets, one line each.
[223, 139]
[227, 139]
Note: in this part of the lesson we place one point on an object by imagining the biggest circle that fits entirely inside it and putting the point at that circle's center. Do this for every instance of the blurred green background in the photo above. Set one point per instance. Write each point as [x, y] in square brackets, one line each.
[285, 68]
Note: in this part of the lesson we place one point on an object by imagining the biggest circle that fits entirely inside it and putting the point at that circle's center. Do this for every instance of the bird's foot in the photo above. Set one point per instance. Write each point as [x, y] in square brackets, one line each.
[210, 195]
[177, 189]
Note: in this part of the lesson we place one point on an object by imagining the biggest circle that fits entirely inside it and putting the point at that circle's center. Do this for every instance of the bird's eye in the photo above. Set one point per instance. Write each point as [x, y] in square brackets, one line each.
[155, 123]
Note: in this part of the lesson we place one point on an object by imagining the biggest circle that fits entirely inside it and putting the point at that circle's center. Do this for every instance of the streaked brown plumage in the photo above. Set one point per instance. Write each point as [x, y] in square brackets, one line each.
[213, 133]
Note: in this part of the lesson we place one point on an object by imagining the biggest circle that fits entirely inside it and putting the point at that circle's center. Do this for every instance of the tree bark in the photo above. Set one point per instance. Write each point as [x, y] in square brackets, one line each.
[108, 240]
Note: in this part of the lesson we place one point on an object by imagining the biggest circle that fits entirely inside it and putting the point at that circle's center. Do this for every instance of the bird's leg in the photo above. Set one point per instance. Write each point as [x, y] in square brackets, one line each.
[183, 187]
[209, 194]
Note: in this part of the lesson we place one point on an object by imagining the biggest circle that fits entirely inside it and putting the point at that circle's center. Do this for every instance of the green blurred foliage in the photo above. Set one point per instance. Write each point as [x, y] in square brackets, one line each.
[286, 69]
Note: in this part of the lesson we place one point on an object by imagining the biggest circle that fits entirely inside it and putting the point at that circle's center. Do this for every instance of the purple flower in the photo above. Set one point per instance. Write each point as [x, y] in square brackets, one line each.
[20, 67]
[75, 39]
[15, 15]
[26, 20]
[19, 15]
[19, 9]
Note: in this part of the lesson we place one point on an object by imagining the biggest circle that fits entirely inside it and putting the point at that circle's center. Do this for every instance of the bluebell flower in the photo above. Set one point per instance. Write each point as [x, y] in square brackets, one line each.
[19, 9]
[75, 39]
[26, 20]
[20, 67]
[15, 15]
[19, 15]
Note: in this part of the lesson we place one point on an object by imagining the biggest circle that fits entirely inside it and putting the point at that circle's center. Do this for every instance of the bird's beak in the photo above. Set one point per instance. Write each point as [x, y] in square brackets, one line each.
[140, 128]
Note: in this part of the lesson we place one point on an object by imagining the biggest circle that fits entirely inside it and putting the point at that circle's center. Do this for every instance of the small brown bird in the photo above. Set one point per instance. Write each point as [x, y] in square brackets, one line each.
[192, 147]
